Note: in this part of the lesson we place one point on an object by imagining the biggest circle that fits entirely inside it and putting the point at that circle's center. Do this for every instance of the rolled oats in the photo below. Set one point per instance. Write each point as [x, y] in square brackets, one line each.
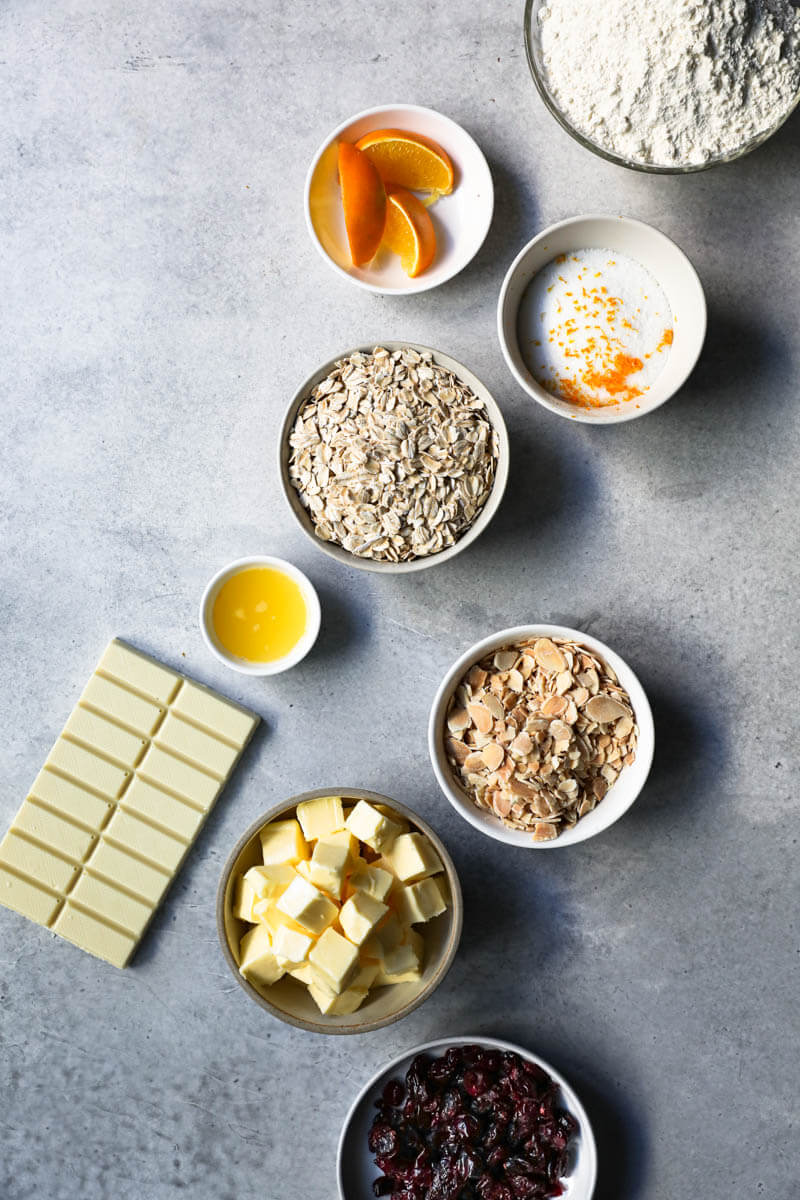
[538, 733]
[392, 455]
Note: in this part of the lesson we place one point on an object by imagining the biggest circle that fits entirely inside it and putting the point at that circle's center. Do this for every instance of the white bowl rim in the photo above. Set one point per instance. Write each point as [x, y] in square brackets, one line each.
[298, 651]
[575, 1107]
[483, 821]
[540, 394]
[484, 518]
[420, 284]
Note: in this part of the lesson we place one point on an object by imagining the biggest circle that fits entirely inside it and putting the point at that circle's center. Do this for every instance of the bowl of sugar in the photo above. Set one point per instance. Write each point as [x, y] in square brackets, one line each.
[601, 319]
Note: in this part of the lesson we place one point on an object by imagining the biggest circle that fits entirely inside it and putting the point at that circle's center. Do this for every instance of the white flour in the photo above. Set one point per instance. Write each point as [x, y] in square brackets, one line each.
[672, 82]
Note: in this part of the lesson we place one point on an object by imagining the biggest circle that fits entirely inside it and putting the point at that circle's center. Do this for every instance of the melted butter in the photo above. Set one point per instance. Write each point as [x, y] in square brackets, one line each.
[259, 614]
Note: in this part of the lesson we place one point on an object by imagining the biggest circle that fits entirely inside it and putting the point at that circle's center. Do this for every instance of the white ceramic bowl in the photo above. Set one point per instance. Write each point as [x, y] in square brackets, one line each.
[356, 1169]
[415, 564]
[618, 799]
[461, 219]
[298, 651]
[665, 261]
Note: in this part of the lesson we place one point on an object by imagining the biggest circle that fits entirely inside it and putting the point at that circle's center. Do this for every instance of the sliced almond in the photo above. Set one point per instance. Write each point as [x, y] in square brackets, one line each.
[604, 709]
[548, 656]
[623, 727]
[564, 682]
[493, 756]
[522, 743]
[458, 720]
[504, 659]
[494, 705]
[477, 677]
[515, 681]
[481, 716]
[474, 761]
[544, 831]
[457, 750]
[501, 804]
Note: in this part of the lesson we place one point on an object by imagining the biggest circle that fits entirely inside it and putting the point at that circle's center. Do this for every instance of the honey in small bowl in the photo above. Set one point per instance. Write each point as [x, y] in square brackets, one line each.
[259, 614]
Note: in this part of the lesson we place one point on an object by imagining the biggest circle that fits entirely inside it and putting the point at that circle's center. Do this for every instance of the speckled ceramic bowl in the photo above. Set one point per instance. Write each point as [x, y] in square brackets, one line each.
[290, 1000]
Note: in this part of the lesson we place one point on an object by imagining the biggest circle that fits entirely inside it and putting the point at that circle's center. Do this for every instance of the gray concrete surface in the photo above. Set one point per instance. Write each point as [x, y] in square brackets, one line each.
[160, 302]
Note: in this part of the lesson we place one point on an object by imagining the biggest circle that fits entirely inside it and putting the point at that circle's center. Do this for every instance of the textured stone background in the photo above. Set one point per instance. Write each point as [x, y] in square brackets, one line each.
[160, 302]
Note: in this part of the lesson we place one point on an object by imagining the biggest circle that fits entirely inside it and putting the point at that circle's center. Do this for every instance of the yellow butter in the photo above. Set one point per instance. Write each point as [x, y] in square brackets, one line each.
[418, 902]
[371, 826]
[306, 905]
[290, 947]
[371, 879]
[283, 842]
[328, 866]
[257, 961]
[359, 916]
[334, 961]
[337, 1006]
[320, 817]
[411, 856]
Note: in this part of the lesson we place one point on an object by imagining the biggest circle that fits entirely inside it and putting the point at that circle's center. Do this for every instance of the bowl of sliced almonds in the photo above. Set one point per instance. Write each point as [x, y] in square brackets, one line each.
[541, 736]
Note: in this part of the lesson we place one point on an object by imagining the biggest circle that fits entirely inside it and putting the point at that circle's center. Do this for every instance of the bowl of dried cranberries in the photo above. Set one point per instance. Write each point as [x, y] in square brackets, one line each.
[473, 1120]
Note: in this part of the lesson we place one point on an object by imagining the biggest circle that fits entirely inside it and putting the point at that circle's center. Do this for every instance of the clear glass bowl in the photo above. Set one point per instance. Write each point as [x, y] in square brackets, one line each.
[533, 50]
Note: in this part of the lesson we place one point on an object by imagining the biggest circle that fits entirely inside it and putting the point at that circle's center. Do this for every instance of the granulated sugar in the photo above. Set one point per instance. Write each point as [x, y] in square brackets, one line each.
[672, 82]
[595, 328]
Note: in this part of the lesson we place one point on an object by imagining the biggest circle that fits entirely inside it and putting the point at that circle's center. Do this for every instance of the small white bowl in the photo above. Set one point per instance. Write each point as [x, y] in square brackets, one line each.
[617, 800]
[662, 258]
[355, 1167]
[483, 518]
[461, 219]
[298, 651]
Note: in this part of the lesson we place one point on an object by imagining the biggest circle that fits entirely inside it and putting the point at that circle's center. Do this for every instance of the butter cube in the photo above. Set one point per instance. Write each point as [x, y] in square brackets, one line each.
[256, 959]
[371, 826]
[412, 857]
[418, 902]
[328, 866]
[290, 947]
[283, 842]
[365, 977]
[337, 1006]
[306, 905]
[302, 973]
[359, 916]
[372, 880]
[320, 817]
[334, 962]
[269, 881]
[387, 935]
[342, 837]
[245, 897]
[403, 964]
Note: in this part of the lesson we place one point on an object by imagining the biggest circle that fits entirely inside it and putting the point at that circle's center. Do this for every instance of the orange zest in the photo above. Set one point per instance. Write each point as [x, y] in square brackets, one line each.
[363, 201]
[409, 231]
[409, 160]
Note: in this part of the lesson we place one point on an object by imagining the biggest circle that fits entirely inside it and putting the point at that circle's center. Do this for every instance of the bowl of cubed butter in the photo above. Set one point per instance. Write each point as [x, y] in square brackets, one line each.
[339, 911]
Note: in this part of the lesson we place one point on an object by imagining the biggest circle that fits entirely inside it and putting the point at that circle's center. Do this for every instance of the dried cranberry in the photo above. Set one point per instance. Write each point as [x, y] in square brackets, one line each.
[476, 1082]
[474, 1124]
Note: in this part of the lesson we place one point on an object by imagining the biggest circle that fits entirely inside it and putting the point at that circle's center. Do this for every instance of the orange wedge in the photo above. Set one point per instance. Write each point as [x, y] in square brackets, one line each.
[409, 231]
[363, 201]
[409, 160]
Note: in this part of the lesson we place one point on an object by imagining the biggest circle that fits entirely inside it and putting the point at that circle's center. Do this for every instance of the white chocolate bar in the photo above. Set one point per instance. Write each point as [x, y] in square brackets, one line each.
[119, 802]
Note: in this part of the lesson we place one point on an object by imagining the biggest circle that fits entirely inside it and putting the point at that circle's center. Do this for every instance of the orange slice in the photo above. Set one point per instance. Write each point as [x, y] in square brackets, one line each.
[409, 231]
[363, 201]
[409, 160]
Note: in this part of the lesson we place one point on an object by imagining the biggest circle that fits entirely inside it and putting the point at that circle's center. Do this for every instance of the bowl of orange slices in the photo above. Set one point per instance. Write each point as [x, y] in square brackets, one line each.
[399, 199]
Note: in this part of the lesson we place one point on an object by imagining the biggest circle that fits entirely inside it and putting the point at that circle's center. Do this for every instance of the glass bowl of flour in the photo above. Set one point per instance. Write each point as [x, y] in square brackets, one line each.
[664, 86]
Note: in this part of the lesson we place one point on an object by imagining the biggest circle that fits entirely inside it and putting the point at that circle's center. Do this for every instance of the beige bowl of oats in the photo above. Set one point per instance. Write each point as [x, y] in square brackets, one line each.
[393, 458]
[541, 736]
